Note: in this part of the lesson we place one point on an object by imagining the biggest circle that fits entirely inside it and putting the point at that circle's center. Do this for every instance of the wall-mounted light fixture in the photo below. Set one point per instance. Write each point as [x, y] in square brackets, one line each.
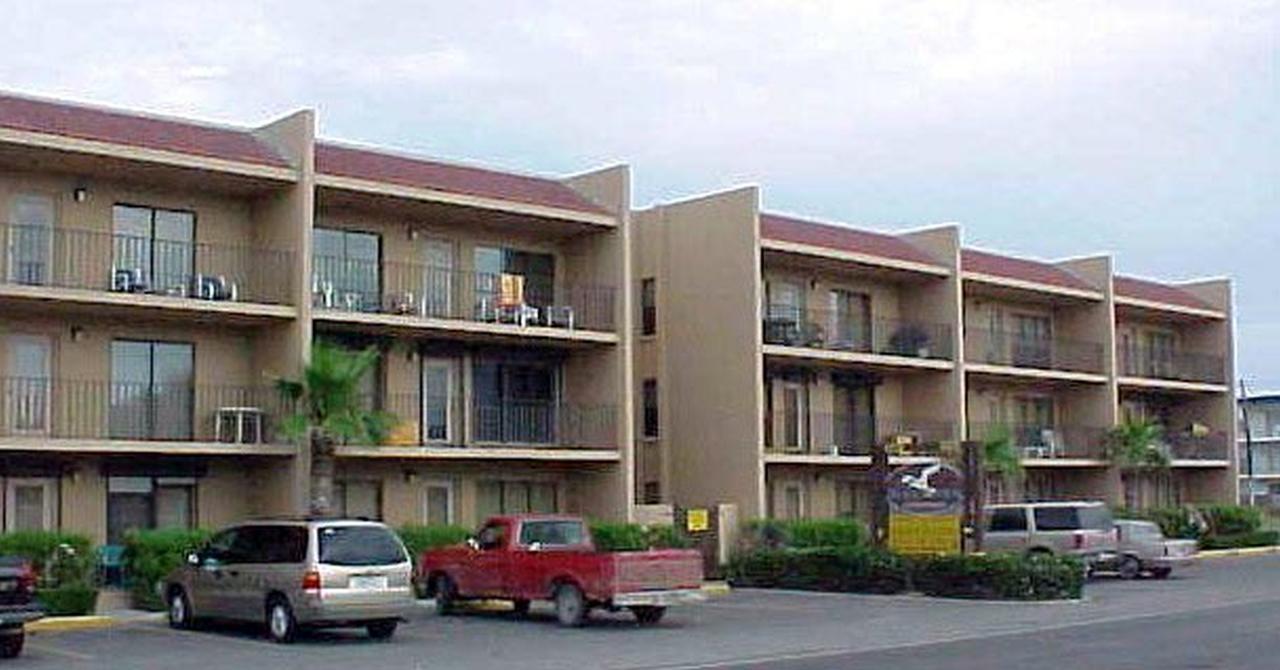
[77, 333]
[80, 194]
[413, 233]
[410, 477]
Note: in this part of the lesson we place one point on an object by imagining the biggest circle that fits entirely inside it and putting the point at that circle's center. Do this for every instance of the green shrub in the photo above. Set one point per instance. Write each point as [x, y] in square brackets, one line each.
[1257, 538]
[38, 546]
[72, 599]
[150, 555]
[847, 569]
[418, 538]
[803, 533]
[1000, 576]
[664, 536]
[1231, 519]
[609, 536]
[1181, 523]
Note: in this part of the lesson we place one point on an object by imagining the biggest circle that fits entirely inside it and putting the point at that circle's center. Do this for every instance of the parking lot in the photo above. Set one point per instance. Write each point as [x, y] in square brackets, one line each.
[1239, 596]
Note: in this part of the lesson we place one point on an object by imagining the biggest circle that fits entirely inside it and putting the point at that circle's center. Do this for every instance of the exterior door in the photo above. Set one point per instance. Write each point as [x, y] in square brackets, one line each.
[438, 400]
[1033, 336]
[849, 320]
[438, 278]
[30, 240]
[27, 385]
[794, 416]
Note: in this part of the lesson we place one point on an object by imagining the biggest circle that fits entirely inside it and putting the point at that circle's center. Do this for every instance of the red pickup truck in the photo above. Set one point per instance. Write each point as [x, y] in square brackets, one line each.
[545, 557]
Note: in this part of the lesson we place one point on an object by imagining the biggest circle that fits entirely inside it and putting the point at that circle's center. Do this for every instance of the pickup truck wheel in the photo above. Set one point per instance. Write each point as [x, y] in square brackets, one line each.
[1129, 568]
[520, 607]
[446, 596]
[648, 615]
[571, 606]
[11, 643]
[281, 626]
[179, 609]
[382, 630]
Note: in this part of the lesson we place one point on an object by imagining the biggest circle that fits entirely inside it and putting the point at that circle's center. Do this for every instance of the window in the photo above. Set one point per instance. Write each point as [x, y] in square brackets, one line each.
[853, 499]
[30, 243]
[538, 271]
[1007, 520]
[849, 319]
[1161, 347]
[793, 416]
[650, 400]
[147, 503]
[1073, 518]
[358, 499]
[1033, 337]
[437, 501]
[152, 390]
[438, 399]
[515, 497]
[792, 501]
[515, 401]
[346, 266]
[27, 390]
[155, 248]
[648, 306]
[268, 544]
[652, 493]
[552, 533]
[29, 504]
[359, 546]
[438, 278]
[491, 536]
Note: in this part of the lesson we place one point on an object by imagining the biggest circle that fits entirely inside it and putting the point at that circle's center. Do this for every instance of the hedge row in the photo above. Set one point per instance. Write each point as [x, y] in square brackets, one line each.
[803, 533]
[1214, 526]
[609, 536]
[1256, 538]
[419, 538]
[150, 555]
[64, 563]
[869, 570]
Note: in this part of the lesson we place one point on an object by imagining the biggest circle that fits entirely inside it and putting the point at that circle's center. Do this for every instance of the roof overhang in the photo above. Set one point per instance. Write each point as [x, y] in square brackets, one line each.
[853, 257]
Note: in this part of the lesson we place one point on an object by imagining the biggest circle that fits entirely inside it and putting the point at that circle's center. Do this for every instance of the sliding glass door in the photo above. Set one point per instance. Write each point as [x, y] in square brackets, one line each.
[515, 401]
[153, 249]
[152, 390]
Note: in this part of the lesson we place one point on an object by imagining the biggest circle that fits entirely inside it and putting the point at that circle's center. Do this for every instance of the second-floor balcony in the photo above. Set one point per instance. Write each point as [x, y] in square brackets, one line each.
[1013, 349]
[41, 408]
[92, 260]
[431, 292]
[1046, 441]
[1171, 364]
[828, 434]
[1190, 446]
[519, 424]
[836, 330]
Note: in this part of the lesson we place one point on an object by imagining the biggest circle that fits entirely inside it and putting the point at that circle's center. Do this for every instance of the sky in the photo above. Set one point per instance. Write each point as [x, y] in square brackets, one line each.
[1150, 130]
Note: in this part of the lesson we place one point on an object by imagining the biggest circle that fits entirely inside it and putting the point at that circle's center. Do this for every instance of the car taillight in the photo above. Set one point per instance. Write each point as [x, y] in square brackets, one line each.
[1079, 540]
[311, 582]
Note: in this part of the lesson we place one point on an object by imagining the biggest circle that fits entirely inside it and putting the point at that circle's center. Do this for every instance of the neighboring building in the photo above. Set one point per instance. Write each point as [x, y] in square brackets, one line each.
[158, 274]
[1261, 435]
[777, 350]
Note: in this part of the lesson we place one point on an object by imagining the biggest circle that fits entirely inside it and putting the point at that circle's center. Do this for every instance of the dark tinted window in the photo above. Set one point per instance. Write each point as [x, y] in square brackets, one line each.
[650, 400]
[1057, 518]
[551, 533]
[1008, 519]
[270, 544]
[648, 307]
[220, 545]
[490, 537]
[359, 545]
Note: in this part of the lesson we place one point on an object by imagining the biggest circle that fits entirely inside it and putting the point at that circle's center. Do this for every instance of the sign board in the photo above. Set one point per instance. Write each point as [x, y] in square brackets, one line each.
[697, 521]
[926, 502]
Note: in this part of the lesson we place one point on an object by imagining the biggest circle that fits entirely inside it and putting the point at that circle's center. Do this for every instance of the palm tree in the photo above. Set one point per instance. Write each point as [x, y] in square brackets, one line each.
[1000, 457]
[1135, 446]
[328, 410]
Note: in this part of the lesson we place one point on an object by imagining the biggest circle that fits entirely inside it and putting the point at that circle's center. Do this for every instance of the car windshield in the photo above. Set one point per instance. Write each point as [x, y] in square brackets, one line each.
[359, 545]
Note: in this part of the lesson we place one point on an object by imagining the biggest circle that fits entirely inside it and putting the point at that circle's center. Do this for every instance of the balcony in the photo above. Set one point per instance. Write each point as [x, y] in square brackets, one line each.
[1012, 349]
[1180, 366]
[42, 410]
[428, 292]
[818, 328]
[124, 264]
[826, 434]
[1047, 442]
[476, 426]
[1187, 446]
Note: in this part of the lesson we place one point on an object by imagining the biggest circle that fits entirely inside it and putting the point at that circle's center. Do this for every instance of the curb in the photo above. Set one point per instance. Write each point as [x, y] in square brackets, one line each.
[1246, 551]
[58, 624]
[716, 588]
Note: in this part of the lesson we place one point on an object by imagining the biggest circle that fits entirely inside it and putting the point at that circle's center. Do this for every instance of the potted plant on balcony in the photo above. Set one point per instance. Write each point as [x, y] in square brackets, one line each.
[910, 340]
[328, 410]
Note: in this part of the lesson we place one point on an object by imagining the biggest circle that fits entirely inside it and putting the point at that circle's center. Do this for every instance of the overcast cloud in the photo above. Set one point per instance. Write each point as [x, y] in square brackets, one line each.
[1051, 129]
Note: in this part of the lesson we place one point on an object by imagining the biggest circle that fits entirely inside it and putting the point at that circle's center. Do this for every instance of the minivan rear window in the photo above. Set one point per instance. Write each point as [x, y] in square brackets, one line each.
[359, 545]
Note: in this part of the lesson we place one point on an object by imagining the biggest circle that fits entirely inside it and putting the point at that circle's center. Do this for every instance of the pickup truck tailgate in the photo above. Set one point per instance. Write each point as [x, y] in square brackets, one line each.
[657, 570]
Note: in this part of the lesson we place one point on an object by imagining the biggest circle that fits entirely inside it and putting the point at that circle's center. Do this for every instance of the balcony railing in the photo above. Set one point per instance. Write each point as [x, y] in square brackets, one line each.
[826, 434]
[103, 410]
[414, 289]
[818, 328]
[1173, 365]
[1266, 459]
[103, 261]
[477, 424]
[1046, 441]
[1185, 446]
[1009, 348]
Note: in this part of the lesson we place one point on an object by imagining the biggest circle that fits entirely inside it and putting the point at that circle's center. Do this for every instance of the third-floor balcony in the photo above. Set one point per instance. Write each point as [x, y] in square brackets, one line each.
[1171, 364]
[836, 330]
[1019, 350]
[430, 292]
[1046, 441]
[59, 257]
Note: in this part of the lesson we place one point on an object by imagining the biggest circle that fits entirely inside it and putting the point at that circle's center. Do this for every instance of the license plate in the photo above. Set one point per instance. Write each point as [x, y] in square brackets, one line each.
[367, 583]
[8, 585]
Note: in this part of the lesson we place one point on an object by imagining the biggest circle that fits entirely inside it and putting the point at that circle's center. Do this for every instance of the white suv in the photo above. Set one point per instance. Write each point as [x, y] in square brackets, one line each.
[1082, 529]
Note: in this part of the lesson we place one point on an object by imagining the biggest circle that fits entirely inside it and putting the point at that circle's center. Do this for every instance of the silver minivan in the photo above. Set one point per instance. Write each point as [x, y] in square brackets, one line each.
[1083, 529]
[288, 574]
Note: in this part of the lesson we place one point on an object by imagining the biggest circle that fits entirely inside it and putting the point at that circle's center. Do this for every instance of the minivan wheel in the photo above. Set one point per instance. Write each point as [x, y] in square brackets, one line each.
[382, 630]
[1129, 568]
[281, 626]
[179, 609]
[11, 643]
[571, 606]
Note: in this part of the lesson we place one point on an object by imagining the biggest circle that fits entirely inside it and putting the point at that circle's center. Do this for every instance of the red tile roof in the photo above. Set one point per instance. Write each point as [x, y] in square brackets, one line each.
[1023, 269]
[135, 130]
[1143, 289]
[342, 161]
[787, 229]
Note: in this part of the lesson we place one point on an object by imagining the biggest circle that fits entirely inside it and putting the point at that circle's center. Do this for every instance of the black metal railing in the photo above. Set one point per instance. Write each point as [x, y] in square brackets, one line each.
[998, 347]
[1185, 445]
[415, 289]
[479, 424]
[828, 434]
[818, 328]
[1266, 459]
[1141, 361]
[104, 261]
[94, 409]
[1046, 440]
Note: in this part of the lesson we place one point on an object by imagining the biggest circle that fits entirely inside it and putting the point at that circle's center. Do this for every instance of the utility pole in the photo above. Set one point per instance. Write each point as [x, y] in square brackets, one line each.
[1248, 438]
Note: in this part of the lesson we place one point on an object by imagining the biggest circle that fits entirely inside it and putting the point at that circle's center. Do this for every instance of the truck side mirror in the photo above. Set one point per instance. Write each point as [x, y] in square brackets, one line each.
[473, 544]
[193, 558]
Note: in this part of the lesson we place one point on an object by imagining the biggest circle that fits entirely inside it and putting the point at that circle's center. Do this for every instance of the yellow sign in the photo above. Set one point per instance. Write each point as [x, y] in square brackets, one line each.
[924, 533]
[403, 434]
[697, 521]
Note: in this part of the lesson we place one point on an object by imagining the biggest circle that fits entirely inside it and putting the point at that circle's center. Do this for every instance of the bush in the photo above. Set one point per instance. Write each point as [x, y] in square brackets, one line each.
[150, 555]
[847, 569]
[1182, 523]
[1000, 576]
[803, 533]
[418, 539]
[38, 546]
[64, 565]
[1257, 538]
[1229, 520]
[609, 536]
[72, 599]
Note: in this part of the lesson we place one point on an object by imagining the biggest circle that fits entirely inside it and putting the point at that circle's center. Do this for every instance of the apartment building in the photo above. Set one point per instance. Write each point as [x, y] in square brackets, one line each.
[1259, 449]
[775, 351]
[159, 274]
